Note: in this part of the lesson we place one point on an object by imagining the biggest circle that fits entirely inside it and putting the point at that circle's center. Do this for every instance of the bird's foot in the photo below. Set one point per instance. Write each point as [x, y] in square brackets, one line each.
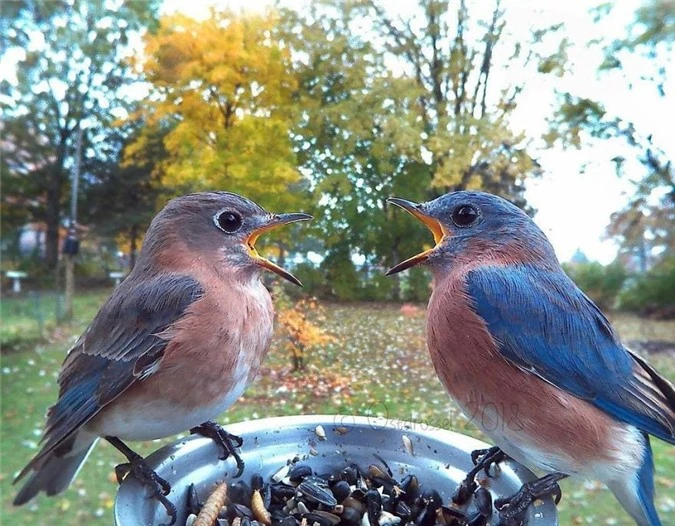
[227, 441]
[483, 459]
[512, 510]
[159, 488]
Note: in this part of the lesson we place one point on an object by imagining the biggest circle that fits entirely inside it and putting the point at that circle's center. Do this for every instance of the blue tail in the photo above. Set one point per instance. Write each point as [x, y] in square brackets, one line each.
[636, 492]
[646, 485]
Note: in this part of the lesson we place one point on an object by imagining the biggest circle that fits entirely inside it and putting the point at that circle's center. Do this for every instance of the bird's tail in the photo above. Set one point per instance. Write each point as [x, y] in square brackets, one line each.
[53, 471]
[636, 492]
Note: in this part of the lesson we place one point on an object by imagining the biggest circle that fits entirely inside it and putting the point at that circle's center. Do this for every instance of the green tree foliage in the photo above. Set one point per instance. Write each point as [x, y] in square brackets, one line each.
[651, 36]
[341, 275]
[652, 293]
[645, 226]
[601, 283]
[121, 191]
[351, 112]
[449, 50]
[71, 70]
[415, 117]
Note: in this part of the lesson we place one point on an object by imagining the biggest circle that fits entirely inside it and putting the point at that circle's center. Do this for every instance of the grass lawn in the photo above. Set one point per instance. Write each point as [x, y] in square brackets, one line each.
[378, 366]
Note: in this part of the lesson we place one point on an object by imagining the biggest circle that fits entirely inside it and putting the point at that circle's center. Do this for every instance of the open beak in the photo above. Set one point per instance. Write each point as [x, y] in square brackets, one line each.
[437, 229]
[275, 221]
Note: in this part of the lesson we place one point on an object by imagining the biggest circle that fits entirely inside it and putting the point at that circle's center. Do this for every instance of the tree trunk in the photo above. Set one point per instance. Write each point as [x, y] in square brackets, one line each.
[297, 363]
[54, 190]
[396, 290]
[642, 254]
[282, 255]
[70, 287]
[133, 246]
[54, 187]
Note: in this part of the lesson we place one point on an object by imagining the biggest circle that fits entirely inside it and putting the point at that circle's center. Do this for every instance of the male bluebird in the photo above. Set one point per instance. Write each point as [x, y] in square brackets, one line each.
[173, 347]
[532, 361]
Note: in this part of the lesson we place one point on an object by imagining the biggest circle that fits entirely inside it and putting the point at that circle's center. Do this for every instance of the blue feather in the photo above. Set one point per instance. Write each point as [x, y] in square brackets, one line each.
[543, 323]
[645, 488]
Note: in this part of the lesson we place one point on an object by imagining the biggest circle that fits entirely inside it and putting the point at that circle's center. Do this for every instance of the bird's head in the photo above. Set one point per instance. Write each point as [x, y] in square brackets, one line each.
[222, 227]
[475, 225]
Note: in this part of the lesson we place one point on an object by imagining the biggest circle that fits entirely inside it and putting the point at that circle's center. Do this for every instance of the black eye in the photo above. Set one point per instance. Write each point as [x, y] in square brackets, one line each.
[465, 215]
[229, 222]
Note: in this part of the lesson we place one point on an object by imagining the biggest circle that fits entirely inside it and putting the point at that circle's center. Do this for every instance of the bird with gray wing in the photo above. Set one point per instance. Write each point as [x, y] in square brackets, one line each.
[173, 347]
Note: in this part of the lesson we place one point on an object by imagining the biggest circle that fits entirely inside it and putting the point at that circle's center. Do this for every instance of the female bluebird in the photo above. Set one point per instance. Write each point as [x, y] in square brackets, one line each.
[173, 347]
[532, 361]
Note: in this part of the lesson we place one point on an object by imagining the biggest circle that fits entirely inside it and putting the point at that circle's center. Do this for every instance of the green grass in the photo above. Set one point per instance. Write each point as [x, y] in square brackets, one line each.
[32, 318]
[378, 366]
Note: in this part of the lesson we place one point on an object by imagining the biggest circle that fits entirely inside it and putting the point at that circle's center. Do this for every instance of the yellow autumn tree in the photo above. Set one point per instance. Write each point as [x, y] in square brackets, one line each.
[224, 88]
[301, 325]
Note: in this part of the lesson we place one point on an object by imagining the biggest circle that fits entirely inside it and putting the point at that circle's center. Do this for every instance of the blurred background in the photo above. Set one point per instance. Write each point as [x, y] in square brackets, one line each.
[112, 107]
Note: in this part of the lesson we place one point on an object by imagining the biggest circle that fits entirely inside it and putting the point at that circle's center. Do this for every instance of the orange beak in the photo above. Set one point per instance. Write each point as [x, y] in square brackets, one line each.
[275, 221]
[437, 228]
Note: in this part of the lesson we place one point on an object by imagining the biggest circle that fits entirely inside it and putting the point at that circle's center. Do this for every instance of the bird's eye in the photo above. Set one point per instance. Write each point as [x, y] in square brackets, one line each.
[465, 215]
[228, 222]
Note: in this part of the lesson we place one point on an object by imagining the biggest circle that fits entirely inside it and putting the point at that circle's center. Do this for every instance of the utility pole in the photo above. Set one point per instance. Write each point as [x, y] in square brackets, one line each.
[71, 244]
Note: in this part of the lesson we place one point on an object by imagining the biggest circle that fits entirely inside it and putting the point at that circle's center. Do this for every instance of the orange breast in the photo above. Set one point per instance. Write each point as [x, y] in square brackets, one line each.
[216, 347]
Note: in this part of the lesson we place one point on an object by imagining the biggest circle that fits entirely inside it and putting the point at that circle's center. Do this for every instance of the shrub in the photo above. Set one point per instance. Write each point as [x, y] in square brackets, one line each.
[377, 286]
[341, 276]
[601, 283]
[313, 280]
[418, 285]
[301, 324]
[652, 293]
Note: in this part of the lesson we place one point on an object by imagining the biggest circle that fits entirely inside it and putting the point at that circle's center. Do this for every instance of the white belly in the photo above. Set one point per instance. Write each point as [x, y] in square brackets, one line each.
[626, 447]
[158, 418]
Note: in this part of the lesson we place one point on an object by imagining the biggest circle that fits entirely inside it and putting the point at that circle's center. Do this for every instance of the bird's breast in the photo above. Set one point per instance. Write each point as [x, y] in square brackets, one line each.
[458, 340]
[214, 351]
[227, 333]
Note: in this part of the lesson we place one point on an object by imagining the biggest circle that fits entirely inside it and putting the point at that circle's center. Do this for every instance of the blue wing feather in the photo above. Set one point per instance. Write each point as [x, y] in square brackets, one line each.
[544, 324]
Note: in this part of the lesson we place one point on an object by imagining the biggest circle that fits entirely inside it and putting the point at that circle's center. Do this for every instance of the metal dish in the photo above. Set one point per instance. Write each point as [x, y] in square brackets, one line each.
[440, 460]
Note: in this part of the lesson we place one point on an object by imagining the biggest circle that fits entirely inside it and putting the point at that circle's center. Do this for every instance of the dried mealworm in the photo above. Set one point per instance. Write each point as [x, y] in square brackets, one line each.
[259, 510]
[209, 513]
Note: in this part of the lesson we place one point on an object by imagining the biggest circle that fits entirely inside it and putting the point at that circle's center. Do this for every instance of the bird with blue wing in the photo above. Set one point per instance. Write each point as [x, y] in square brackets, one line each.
[532, 361]
[172, 348]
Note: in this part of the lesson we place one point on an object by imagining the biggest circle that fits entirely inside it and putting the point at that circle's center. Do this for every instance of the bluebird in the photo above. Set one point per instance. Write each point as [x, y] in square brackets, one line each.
[172, 348]
[532, 361]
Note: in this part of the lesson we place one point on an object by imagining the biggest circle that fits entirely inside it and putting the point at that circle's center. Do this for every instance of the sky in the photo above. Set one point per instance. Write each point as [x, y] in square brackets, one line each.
[574, 204]
[579, 189]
